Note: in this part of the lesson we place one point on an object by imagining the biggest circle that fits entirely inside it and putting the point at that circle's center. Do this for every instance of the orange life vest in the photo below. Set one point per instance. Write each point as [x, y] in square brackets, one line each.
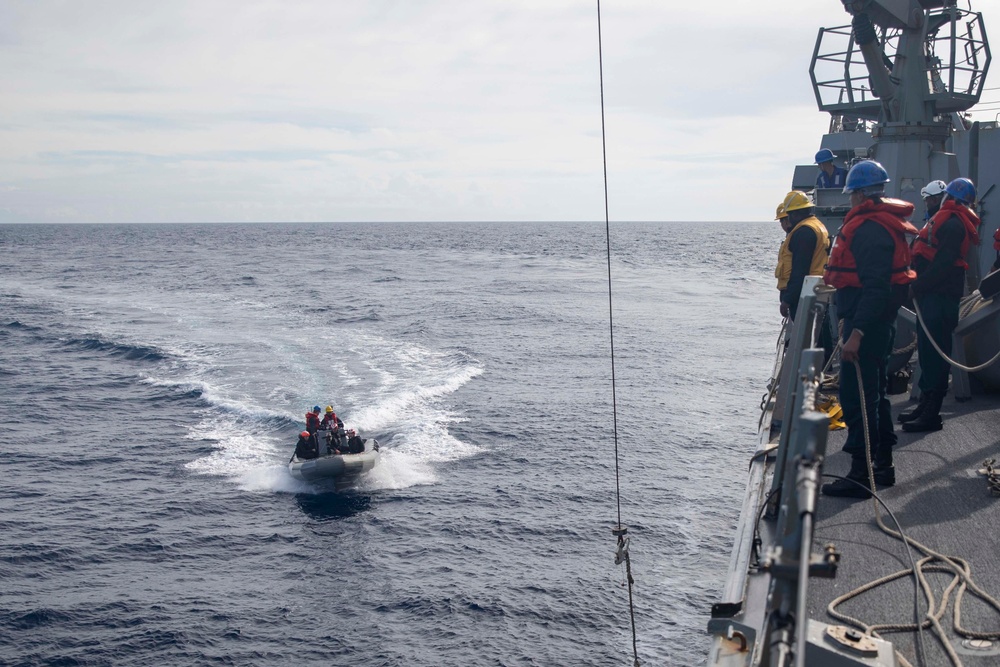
[926, 243]
[842, 270]
[312, 422]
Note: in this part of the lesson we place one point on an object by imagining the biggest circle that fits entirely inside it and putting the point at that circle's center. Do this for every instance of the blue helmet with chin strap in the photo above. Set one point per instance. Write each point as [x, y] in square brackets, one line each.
[962, 190]
[866, 175]
[825, 155]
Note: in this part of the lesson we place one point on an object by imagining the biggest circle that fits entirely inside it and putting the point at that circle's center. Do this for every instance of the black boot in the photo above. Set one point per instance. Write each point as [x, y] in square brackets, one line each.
[930, 418]
[855, 486]
[910, 415]
[883, 470]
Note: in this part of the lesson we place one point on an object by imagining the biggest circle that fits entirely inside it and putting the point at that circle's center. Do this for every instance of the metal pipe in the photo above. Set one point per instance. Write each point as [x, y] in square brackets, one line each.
[871, 50]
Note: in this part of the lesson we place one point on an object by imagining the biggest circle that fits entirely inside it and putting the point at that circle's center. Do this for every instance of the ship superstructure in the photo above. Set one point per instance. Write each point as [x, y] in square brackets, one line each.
[896, 83]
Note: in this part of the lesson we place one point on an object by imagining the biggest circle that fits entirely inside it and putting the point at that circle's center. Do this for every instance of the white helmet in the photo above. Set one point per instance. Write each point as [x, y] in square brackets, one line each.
[933, 189]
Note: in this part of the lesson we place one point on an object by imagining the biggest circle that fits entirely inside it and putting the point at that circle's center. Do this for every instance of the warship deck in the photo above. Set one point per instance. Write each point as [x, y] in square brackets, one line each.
[941, 501]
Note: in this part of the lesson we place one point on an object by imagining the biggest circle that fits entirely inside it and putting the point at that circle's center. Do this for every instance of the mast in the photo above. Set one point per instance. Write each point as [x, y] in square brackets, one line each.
[909, 67]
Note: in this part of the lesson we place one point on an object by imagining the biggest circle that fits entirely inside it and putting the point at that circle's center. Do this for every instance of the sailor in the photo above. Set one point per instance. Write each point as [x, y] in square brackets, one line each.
[939, 254]
[932, 194]
[312, 419]
[830, 175]
[355, 445]
[804, 251]
[869, 266]
[305, 448]
[330, 420]
[781, 215]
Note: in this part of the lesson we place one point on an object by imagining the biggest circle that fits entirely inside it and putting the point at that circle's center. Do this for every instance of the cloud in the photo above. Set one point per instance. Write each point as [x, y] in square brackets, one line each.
[386, 110]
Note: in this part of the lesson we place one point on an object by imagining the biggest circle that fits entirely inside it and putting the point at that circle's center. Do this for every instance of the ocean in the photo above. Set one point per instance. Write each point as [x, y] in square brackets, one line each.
[153, 379]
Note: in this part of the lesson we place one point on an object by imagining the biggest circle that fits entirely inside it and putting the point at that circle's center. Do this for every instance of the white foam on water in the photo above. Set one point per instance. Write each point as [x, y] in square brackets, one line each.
[237, 408]
[397, 470]
[395, 391]
[237, 451]
[276, 479]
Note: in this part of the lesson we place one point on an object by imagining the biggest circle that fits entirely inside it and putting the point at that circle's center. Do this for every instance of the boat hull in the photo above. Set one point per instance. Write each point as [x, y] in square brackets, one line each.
[342, 469]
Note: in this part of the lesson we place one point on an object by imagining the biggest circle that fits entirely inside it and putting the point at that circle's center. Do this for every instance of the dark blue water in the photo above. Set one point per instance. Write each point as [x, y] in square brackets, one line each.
[152, 379]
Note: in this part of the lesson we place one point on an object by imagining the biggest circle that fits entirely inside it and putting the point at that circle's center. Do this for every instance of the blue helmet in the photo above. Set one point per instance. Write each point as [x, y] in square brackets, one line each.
[865, 174]
[962, 190]
[316, 408]
[825, 155]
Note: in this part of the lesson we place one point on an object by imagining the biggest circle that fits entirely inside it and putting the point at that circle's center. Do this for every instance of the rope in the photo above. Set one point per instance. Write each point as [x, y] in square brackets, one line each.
[932, 562]
[909, 348]
[967, 369]
[992, 476]
[620, 530]
[969, 304]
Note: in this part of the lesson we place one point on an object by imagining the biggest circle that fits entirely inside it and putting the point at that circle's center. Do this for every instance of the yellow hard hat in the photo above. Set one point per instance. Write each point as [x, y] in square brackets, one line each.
[780, 213]
[796, 200]
[329, 408]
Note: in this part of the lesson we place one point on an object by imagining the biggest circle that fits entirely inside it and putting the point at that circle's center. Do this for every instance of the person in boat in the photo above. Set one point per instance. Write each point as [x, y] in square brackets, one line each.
[870, 268]
[939, 253]
[355, 445]
[932, 193]
[804, 251]
[830, 175]
[330, 420]
[312, 419]
[305, 448]
[331, 424]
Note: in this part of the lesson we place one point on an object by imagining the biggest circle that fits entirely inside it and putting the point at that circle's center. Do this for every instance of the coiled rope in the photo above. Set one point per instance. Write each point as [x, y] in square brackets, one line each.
[992, 476]
[620, 531]
[932, 562]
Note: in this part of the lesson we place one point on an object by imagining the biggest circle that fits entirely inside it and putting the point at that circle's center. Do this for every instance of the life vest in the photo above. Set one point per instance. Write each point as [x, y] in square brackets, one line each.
[312, 422]
[996, 240]
[783, 272]
[330, 418]
[842, 270]
[926, 243]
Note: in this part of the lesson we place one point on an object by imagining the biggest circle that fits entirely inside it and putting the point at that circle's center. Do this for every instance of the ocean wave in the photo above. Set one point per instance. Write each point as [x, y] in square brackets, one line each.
[35, 618]
[411, 402]
[210, 395]
[132, 352]
[370, 316]
[21, 326]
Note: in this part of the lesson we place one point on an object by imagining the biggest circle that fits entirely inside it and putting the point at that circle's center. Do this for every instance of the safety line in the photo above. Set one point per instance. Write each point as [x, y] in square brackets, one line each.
[620, 530]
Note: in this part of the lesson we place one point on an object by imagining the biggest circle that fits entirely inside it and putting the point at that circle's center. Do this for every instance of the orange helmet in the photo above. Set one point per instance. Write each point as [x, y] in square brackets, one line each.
[304, 434]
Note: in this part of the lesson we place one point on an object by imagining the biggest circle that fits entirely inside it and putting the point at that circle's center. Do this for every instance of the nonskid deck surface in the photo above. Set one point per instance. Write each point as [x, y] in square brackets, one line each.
[941, 501]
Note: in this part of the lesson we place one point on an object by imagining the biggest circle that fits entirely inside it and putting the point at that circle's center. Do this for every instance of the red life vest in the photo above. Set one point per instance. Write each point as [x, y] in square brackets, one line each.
[330, 419]
[926, 244]
[312, 422]
[996, 240]
[842, 270]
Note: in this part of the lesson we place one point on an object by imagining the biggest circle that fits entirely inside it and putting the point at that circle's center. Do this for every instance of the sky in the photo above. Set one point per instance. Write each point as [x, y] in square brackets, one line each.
[406, 110]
